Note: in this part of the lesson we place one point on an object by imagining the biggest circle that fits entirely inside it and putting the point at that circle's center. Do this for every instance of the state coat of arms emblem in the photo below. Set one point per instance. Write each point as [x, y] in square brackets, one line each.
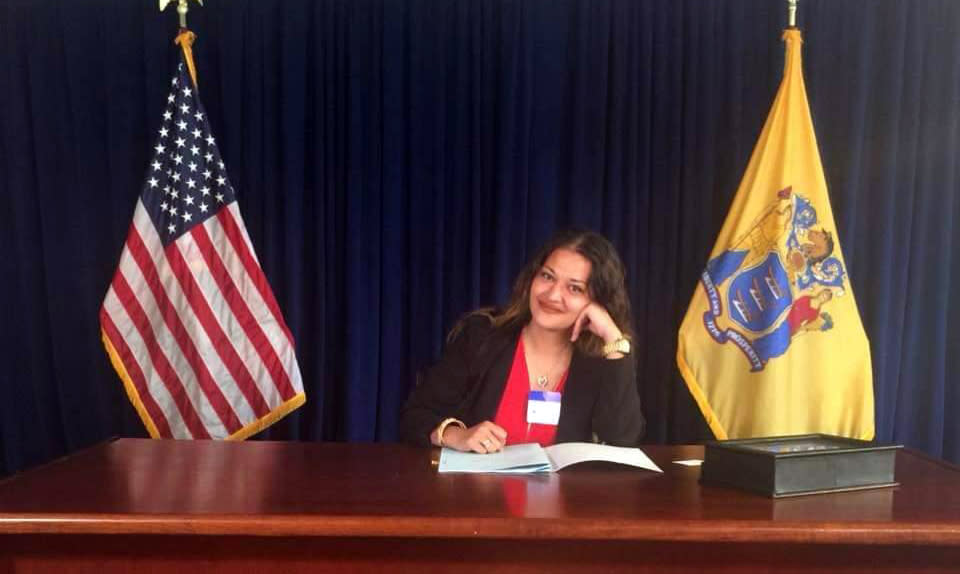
[775, 282]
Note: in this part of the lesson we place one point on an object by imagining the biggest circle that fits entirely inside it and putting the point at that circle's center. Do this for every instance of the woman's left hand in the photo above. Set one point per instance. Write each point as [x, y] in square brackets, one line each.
[597, 320]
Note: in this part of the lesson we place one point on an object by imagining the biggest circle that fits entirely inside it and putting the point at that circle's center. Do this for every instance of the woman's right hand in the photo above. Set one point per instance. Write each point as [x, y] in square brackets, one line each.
[483, 438]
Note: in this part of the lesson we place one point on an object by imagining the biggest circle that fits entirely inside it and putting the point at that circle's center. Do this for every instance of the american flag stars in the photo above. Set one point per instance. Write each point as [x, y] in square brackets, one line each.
[185, 150]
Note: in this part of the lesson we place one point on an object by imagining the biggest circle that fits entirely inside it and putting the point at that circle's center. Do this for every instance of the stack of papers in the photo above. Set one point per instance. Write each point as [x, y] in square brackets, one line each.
[531, 457]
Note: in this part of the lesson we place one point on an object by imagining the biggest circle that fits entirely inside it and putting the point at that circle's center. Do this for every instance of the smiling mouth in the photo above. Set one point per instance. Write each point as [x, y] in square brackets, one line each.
[550, 308]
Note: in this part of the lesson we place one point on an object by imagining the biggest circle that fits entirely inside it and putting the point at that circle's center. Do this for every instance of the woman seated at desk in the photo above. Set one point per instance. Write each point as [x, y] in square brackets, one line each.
[564, 336]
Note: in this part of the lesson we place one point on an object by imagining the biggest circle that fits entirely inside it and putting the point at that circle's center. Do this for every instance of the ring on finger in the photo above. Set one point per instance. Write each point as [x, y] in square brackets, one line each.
[486, 443]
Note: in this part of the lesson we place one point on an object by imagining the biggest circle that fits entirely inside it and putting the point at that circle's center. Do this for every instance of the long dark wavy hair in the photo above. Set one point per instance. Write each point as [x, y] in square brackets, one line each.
[606, 287]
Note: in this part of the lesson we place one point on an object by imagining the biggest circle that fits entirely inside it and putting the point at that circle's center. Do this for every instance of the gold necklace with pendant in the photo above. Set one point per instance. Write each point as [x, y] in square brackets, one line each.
[543, 381]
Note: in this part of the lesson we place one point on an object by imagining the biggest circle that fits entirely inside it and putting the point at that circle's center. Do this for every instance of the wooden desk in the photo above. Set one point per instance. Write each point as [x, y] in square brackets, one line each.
[162, 506]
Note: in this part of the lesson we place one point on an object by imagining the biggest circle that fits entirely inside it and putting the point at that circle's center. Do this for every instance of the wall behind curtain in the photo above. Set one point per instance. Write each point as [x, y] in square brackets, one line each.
[397, 161]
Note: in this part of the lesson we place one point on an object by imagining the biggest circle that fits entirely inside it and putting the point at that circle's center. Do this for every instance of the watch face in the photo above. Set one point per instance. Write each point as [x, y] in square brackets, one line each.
[618, 346]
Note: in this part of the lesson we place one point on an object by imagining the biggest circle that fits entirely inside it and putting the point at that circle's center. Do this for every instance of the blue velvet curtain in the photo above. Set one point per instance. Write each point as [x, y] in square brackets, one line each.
[396, 161]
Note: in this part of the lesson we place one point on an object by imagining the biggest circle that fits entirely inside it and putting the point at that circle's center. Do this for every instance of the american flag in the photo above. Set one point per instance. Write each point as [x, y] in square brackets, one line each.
[189, 321]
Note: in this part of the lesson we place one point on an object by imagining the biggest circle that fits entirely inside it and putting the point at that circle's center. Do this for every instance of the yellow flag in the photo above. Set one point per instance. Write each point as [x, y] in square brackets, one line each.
[772, 343]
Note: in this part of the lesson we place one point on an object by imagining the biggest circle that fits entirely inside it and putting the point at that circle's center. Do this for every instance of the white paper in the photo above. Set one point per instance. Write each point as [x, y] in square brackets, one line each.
[530, 457]
[515, 459]
[565, 454]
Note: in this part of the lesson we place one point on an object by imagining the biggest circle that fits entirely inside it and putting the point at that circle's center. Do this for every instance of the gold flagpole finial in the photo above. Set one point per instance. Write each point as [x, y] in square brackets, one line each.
[185, 38]
[791, 13]
[182, 9]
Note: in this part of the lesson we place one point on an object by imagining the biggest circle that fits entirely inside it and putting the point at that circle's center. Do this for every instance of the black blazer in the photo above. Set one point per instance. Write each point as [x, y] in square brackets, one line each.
[600, 396]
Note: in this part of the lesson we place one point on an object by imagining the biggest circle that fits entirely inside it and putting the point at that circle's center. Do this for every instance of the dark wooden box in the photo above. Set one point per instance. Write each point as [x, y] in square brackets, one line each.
[796, 465]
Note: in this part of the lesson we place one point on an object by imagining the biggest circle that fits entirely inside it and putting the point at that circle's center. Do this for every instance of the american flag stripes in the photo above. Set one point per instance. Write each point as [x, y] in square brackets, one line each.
[189, 321]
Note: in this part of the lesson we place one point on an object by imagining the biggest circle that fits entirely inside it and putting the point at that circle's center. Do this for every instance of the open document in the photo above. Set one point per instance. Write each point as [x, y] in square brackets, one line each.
[531, 457]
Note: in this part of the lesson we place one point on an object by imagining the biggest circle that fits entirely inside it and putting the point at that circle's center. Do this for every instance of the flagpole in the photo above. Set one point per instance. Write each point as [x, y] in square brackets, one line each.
[791, 13]
[185, 37]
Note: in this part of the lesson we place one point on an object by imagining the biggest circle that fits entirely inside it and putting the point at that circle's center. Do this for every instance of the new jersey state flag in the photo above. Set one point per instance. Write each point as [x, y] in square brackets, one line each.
[772, 343]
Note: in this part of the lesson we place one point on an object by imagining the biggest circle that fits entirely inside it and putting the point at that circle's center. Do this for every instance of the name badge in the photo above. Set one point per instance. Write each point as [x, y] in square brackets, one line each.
[543, 407]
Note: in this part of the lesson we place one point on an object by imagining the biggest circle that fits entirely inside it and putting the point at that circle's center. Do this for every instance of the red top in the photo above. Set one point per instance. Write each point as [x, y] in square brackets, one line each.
[512, 412]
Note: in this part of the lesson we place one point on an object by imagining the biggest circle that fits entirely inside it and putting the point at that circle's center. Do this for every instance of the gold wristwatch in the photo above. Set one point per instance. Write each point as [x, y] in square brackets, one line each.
[621, 345]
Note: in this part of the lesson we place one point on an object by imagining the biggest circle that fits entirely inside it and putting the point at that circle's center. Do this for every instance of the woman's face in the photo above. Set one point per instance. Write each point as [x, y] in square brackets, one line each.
[559, 290]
